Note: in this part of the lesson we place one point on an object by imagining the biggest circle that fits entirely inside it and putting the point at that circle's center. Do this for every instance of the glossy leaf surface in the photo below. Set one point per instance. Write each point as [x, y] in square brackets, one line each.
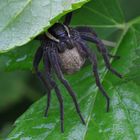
[21, 21]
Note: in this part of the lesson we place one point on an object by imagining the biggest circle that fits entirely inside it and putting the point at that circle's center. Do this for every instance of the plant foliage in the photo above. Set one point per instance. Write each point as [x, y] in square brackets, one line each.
[112, 19]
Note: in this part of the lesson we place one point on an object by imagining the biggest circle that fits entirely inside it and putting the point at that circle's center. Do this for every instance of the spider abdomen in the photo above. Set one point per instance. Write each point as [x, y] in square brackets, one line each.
[71, 60]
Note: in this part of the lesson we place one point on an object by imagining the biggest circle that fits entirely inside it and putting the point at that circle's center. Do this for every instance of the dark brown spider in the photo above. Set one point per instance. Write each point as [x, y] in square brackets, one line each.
[64, 50]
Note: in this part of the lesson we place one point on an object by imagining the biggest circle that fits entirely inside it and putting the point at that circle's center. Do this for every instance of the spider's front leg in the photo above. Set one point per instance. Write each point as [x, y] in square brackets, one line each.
[87, 30]
[102, 49]
[93, 59]
[53, 56]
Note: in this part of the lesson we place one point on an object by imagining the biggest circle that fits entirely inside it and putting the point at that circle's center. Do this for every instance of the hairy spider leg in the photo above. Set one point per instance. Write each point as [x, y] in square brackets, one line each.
[59, 96]
[68, 19]
[54, 59]
[102, 49]
[54, 85]
[60, 99]
[49, 84]
[85, 29]
[47, 72]
[93, 59]
[58, 93]
[89, 30]
[37, 59]
[48, 104]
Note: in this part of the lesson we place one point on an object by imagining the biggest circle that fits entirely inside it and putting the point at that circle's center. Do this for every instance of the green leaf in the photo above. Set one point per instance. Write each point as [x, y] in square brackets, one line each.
[19, 58]
[20, 21]
[15, 91]
[110, 20]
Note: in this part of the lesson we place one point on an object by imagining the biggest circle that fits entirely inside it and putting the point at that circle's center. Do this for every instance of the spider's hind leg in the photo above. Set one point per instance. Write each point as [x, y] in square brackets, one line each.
[93, 59]
[102, 49]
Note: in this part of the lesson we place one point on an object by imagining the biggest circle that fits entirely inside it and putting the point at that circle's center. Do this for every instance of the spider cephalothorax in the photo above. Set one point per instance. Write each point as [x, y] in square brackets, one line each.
[64, 50]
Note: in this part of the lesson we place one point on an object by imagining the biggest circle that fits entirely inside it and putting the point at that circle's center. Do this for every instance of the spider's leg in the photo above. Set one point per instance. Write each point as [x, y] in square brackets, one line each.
[57, 91]
[59, 96]
[89, 30]
[47, 72]
[37, 59]
[55, 64]
[48, 103]
[68, 19]
[85, 29]
[60, 99]
[93, 59]
[102, 49]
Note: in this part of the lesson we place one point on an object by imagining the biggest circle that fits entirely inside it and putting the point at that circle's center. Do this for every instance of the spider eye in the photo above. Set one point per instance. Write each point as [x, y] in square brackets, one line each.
[58, 30]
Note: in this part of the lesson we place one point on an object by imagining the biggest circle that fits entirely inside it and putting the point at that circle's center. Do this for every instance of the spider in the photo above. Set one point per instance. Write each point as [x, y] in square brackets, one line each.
[64, 50]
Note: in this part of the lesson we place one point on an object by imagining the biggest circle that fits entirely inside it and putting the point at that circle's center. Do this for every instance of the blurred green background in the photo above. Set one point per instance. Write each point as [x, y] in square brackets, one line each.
[18, 90]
